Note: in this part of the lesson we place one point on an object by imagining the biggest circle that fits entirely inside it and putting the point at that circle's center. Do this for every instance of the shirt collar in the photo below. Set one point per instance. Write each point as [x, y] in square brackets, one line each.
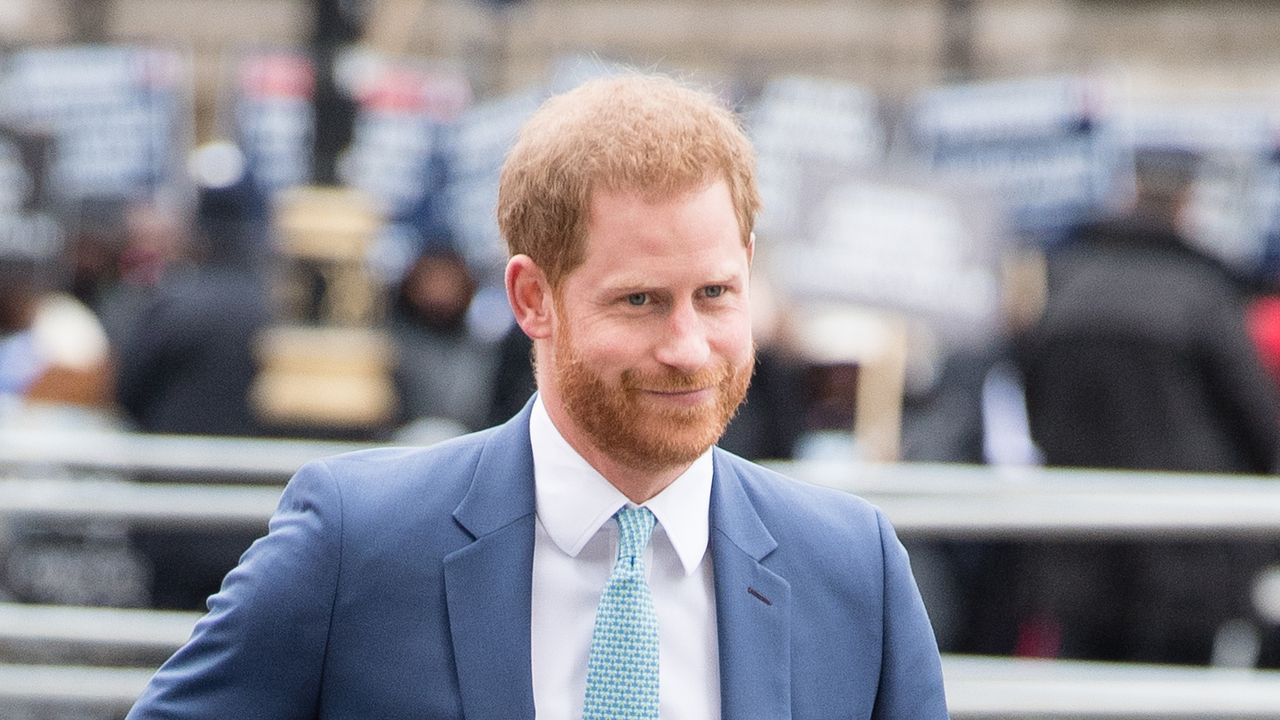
[574, 500]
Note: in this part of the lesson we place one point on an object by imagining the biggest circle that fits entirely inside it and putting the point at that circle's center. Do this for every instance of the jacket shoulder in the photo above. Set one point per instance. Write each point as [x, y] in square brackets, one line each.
[783, 498]
[380, 480]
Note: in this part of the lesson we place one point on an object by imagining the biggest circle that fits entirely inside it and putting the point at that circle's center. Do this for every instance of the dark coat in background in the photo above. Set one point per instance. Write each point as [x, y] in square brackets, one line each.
[187, 364]
[1142, 361]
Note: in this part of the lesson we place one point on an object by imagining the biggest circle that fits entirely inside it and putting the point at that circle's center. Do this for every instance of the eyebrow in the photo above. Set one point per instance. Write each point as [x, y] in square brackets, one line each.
[626, 284]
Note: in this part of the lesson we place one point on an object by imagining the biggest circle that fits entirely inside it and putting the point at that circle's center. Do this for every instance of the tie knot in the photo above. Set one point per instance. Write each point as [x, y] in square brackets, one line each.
[634, 527]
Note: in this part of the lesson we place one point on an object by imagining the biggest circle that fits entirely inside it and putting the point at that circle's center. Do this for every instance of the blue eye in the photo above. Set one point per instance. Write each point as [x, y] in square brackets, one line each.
[713, 291]
[637, 299]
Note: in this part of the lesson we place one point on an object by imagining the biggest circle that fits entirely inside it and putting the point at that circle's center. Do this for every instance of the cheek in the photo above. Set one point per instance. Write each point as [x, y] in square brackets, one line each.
[732, 339]
[609, 350]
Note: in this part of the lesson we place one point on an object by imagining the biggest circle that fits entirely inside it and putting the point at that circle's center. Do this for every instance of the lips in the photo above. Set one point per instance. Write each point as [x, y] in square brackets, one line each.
[675, 392]
[675, 384]
[691, 393]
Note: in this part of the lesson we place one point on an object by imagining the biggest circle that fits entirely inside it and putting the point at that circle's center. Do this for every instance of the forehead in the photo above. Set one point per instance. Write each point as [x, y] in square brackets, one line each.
[694, 229]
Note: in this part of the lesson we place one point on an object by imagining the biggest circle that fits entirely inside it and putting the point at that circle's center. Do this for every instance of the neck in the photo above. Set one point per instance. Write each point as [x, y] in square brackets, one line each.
[638, 484]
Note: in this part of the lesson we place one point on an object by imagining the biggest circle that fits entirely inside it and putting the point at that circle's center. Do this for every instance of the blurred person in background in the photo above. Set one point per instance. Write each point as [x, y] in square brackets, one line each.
[444, 370]
[187, 359]
[1141, 361]
[1264, 328]
[97, 234]
[53, 351]
[153, 238]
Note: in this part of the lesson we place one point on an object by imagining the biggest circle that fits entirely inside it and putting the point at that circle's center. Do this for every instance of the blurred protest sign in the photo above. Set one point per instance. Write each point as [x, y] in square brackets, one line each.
[879, 269]
[900, 246]
[1233, 214]
[398, 153]
[1269, 263]
[121, 116]
[31, 240]
[1234, 210]
[478, 146]
[1208, 127]
[275, 117]
[804, 124]
[395, 152]
[1039, 146]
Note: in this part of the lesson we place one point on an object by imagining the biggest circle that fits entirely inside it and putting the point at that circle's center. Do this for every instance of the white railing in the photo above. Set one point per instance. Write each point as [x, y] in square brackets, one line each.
[69, 501]
[977, 687]
[84, 477]
[987, 687]
[248, 460]
[1167, 507]
[927, 500]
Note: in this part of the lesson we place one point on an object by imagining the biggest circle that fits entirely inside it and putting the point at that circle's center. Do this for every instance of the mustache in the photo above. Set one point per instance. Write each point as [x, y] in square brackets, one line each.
[675, 381]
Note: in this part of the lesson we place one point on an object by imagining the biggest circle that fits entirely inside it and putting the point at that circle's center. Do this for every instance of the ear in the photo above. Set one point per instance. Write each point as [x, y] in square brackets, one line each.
[751, 248]
[529, 295]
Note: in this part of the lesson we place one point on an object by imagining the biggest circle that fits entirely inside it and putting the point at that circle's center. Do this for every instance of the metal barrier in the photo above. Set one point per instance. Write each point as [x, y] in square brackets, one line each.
[33, 688]
[980, 502]
[1240, 508]
[977, 687]
[69, 501]
[94, 627]
[58, 479]
[64, 636]
[999, 688]
[248, 460]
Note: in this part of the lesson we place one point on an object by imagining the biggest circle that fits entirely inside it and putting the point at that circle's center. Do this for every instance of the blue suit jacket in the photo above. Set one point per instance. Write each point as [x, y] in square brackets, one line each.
[396, 584]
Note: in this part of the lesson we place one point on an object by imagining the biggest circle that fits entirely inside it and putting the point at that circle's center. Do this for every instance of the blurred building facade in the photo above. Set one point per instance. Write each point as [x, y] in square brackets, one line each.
[894, 47]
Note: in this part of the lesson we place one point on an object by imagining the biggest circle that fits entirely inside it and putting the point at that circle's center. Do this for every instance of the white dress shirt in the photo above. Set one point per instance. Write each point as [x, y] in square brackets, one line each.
[574, 547]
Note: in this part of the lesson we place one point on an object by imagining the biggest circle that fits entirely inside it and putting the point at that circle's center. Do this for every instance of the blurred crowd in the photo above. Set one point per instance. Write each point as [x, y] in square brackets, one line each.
[153, 322]
[1147, 353]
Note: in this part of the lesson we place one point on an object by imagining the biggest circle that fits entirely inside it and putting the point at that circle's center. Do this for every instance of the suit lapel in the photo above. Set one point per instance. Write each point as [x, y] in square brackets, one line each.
[753, 605]
[488, 586]
[488, 583]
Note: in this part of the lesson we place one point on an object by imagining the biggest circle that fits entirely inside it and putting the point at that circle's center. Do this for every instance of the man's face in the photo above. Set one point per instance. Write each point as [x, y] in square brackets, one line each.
[652, 342]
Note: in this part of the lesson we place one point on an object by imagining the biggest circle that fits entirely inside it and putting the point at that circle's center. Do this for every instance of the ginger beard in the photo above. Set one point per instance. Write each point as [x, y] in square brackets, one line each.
[638, 431]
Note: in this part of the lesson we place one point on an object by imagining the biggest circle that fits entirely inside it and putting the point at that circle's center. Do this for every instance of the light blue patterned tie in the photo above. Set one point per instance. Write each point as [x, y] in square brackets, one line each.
[622, 670]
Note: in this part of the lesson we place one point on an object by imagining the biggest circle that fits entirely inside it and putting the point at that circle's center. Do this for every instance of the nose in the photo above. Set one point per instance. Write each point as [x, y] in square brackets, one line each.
[684, 344]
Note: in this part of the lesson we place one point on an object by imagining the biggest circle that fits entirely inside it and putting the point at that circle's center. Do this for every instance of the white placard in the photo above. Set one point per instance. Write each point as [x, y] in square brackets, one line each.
[803, 124]
[1042, 147]
[483, 136]
[902, 247]
[395, 154]
[121, 115]
[275, 118]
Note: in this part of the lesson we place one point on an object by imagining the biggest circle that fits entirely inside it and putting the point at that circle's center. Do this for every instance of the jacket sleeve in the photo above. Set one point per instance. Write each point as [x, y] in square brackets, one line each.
[911, 685]
[1251, 406]
[259, 652]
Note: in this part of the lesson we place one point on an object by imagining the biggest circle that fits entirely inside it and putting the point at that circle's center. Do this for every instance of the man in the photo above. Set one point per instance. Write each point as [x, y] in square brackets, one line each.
[482, 578]
[1142, 361]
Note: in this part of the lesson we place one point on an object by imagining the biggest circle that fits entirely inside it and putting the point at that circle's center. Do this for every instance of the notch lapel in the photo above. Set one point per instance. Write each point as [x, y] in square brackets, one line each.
[753, 605]
[488, 583]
